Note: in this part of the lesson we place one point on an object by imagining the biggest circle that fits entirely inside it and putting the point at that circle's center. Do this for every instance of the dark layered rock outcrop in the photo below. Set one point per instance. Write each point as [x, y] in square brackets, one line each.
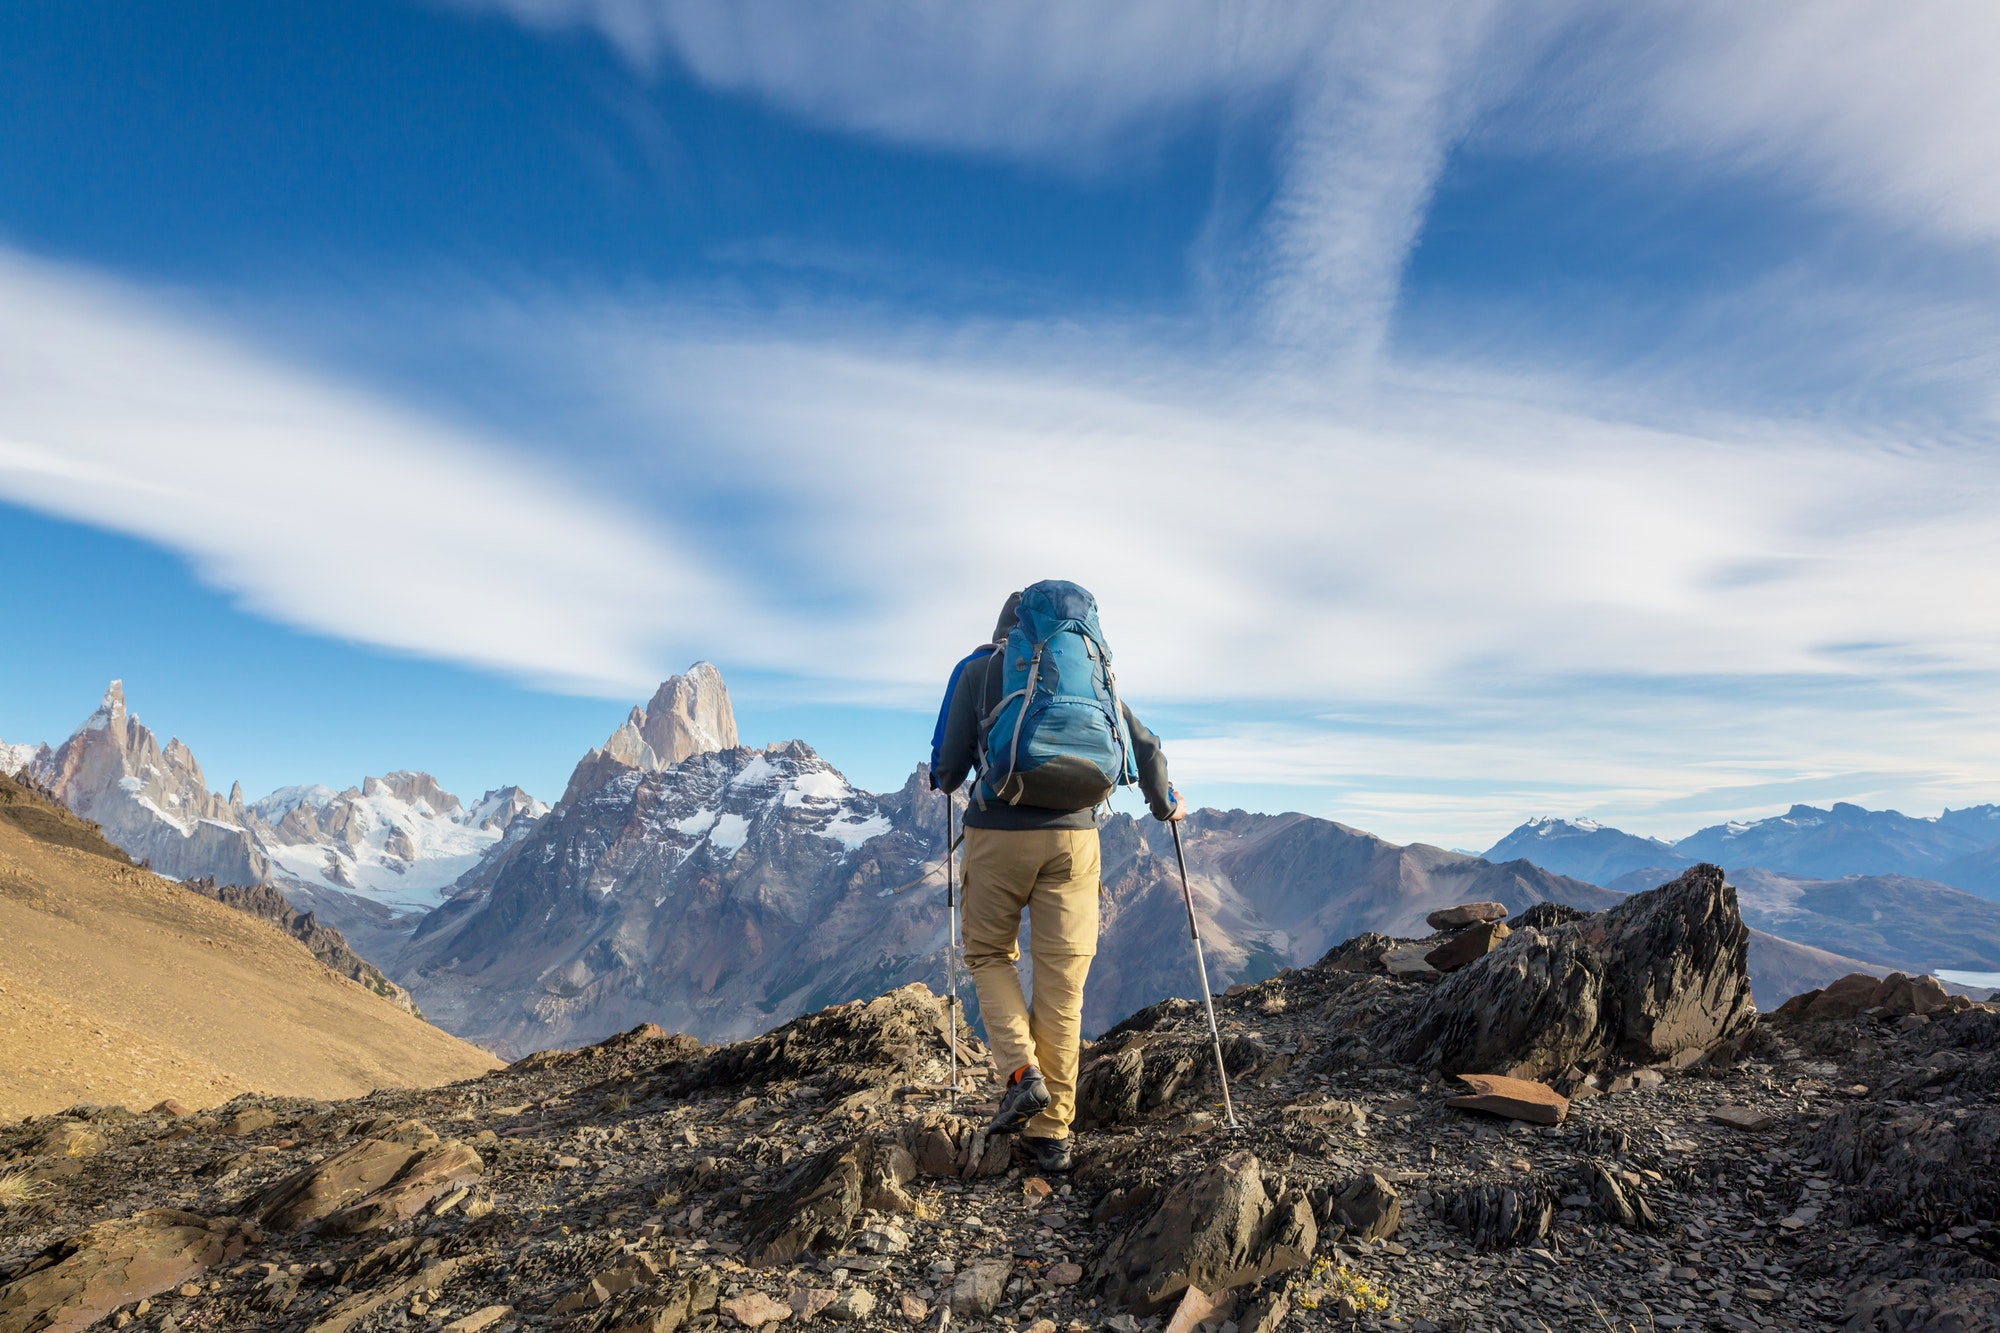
[1662, 976]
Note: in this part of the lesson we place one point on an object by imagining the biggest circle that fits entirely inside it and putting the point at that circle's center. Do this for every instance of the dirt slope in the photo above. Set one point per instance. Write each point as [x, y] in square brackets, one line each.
[117, 986]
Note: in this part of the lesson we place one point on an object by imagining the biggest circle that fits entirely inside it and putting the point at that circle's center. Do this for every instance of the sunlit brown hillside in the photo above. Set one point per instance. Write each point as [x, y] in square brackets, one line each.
[118, 986]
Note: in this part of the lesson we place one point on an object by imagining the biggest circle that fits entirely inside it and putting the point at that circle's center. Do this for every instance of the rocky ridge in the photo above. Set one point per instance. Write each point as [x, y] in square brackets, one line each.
[1716, 1172]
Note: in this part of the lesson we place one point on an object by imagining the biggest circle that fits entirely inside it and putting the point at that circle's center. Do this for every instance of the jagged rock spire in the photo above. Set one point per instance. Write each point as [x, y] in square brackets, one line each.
[689, 715]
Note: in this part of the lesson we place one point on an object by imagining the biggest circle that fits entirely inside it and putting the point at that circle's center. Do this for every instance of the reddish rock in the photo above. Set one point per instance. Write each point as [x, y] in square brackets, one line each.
[1515, 1098]
[1469, 944]
[1846, 997]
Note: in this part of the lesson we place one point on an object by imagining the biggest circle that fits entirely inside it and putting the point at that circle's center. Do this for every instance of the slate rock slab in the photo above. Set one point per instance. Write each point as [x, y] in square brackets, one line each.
[1471, 943]
[78, 1281]
[1466, 914]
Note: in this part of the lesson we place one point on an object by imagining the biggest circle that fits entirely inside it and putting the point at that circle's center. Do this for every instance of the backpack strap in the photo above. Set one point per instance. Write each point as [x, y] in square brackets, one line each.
[1021, 721]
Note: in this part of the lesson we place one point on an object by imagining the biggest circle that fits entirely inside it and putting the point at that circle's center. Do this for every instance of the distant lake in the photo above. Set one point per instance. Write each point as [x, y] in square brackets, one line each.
[1985, 980]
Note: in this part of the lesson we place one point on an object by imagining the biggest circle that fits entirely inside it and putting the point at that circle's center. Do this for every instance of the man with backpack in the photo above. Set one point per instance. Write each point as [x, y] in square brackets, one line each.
[1035, 719]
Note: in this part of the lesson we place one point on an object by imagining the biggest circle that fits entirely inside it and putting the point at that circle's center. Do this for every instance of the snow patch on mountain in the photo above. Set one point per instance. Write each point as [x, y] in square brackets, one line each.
[18, 756]
[399, 839]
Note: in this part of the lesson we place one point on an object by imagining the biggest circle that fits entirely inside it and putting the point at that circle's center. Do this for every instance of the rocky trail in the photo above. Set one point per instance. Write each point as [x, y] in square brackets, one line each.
[1581, 1125]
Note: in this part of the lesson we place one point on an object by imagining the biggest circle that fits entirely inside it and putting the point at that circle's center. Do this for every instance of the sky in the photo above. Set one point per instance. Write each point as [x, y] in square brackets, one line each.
[1462, 412]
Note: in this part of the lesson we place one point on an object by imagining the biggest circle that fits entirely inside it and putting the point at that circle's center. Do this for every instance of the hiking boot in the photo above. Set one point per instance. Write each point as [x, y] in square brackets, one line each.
[1050, 1155]
[1024, 1099]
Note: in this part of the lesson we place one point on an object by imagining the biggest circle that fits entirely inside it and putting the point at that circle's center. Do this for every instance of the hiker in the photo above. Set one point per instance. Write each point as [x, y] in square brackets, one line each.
[1034, 717]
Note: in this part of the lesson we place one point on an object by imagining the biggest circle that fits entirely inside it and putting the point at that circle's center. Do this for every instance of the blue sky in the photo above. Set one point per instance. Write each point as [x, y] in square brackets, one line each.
[1463, 411]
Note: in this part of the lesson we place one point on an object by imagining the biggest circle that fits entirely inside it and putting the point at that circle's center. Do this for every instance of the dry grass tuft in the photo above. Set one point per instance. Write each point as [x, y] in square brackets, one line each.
[16, 1190]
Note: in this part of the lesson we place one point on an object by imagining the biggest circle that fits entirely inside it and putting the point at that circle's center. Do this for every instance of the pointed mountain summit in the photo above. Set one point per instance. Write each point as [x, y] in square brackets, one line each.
[689, 715]
[153, 802]
[1587, 850]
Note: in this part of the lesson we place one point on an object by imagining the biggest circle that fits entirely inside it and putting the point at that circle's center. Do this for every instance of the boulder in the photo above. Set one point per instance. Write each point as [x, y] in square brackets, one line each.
[978, 1287]
[1516, 1098]
[1366, 1208]
[345, 1178]
[425, 1178]
[1216, 1230]
[1469, 944]
[1366, 952]
[1845, 998]
[1902, 995]
[80, 1280]
[814, 1206]
[1466, 914]
[1661, 974]
[368, 1185]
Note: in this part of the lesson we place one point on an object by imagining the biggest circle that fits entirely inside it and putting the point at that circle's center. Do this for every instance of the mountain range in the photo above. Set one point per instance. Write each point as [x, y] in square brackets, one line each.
[370, 861]
[1958, 848]
[687, 880]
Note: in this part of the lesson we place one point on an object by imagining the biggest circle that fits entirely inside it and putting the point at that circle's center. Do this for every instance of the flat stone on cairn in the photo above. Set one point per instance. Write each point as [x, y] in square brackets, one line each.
[1465, 914]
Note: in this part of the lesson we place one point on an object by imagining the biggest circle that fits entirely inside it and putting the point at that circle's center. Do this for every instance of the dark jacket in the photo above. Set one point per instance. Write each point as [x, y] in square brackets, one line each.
[977, 691]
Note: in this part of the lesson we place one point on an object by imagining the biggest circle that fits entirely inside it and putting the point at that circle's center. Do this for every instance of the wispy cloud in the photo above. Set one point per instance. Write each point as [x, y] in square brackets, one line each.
[321, 505]
[1884, 110]
[1039, 79]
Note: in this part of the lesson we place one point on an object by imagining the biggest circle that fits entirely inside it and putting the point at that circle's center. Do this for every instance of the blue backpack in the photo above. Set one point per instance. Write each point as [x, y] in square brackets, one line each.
[1056, 738]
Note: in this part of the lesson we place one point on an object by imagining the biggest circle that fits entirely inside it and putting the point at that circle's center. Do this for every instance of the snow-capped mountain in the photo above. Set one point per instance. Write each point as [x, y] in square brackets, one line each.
[400, 839]
[1586, 850]
[1959, 847]
[369, 860]
[1845, 840]
[152, 801]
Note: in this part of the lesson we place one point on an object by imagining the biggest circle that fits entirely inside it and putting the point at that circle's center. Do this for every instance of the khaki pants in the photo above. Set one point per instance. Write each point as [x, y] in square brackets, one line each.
[1053, 874]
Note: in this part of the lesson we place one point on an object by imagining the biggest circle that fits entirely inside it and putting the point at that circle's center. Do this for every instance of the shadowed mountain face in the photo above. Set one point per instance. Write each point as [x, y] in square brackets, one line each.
[1913, 925]
[718, 896]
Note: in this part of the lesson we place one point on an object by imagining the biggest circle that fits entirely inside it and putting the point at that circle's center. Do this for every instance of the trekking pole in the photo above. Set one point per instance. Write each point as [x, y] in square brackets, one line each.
[1201, 966]
[951, 947]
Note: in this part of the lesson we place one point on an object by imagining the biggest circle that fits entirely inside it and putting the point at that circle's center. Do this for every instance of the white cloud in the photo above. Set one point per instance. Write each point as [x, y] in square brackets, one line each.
[320, 506]
[1882, 109]
[1041, 79]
